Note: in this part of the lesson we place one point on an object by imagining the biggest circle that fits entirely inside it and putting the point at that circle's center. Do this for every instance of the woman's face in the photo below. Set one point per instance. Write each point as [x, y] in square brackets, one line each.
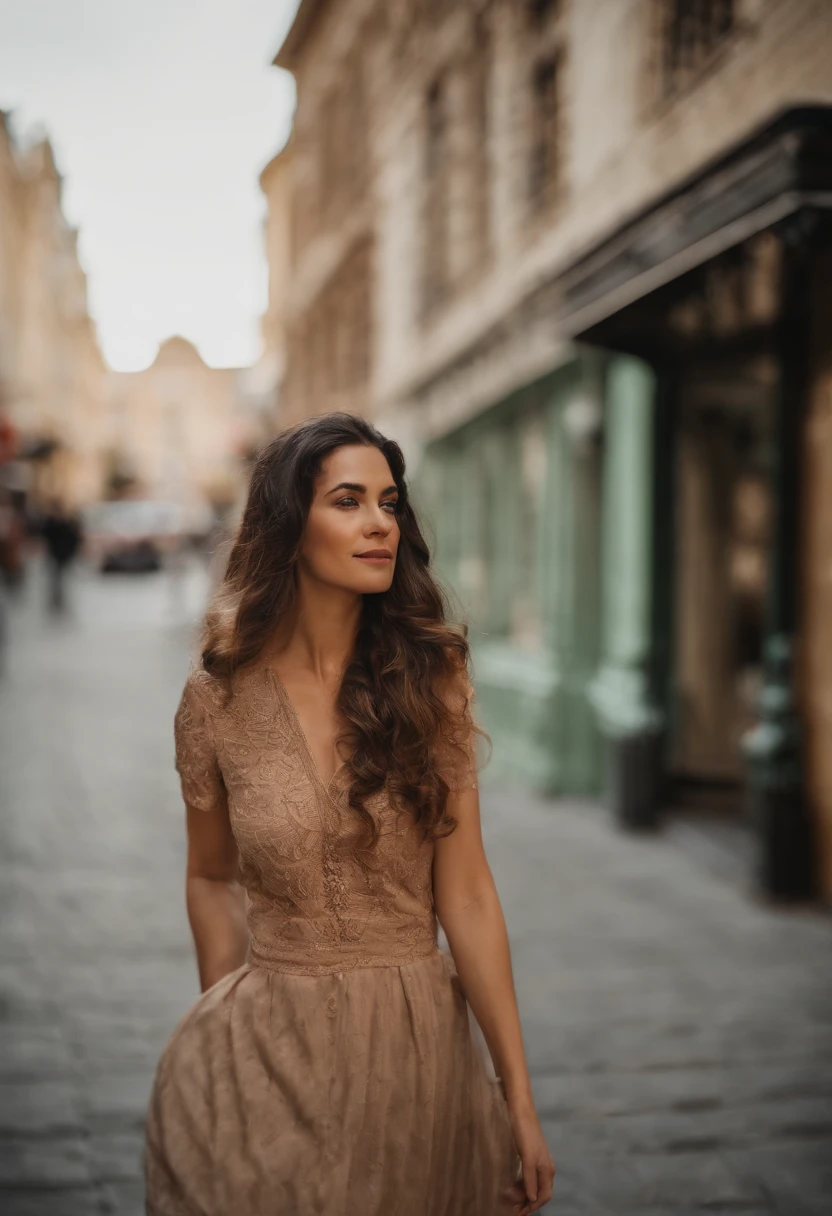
[352, 535]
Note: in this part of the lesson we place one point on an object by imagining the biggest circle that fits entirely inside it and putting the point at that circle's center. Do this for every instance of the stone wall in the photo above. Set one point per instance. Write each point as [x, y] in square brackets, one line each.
[178, 427]
[52, 374]
[489, 143]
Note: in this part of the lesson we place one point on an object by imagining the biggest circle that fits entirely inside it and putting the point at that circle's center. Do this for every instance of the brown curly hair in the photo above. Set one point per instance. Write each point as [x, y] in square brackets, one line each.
[394, 695]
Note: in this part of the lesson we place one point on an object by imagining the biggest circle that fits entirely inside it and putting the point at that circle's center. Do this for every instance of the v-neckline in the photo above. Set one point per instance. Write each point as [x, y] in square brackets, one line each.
[283, 691]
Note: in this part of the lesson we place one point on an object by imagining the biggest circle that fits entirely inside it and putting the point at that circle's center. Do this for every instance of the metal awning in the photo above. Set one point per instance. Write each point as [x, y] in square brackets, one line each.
[783, 168]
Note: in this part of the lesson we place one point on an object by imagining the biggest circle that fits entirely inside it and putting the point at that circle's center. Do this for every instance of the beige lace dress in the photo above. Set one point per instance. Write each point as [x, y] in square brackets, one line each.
[335, 1072]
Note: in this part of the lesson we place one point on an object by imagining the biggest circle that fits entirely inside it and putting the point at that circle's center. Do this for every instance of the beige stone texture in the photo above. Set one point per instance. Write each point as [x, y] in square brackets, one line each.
[179, 426]
[622, 142]
[52, 374]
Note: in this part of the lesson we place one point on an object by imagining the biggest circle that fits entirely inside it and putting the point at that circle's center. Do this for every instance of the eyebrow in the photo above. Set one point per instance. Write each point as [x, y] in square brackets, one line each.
[359, 489]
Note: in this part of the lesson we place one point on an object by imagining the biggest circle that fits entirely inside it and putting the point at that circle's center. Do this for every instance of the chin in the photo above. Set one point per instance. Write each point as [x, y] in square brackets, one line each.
[363, 582]
[371, 586]
[371, 581]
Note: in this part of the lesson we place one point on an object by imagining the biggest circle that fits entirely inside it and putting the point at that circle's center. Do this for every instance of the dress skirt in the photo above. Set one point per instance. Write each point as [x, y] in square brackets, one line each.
[356, 1093]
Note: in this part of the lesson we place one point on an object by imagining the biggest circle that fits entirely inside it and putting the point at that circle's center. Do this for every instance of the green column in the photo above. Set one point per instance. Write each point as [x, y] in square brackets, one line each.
[551, 553]
[467, 494]
[500, 502]
[623, 694]
[580, 419]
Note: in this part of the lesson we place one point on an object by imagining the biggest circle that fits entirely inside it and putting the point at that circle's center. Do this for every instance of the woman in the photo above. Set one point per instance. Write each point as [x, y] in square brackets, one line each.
[325, 747]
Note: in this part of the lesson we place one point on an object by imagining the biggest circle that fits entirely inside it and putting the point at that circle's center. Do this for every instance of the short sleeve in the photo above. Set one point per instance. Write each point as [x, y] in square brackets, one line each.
[196, 757]
[457, 759]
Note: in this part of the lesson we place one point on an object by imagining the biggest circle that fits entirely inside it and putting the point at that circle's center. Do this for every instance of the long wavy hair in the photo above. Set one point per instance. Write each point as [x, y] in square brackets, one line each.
[394, 692]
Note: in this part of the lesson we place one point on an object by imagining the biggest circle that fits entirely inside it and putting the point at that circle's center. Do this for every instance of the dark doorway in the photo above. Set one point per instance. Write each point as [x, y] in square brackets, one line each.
[723, 521]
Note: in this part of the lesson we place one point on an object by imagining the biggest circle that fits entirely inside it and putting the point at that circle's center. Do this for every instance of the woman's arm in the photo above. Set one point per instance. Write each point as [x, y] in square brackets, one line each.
[469, 911]
[214, 898]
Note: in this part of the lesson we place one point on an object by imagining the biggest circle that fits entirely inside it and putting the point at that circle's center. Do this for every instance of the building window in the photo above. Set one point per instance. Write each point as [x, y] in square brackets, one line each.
[692, 31]
[544, 160]
[542, 34]
[332, 149]
[342, 142]
[304, 216]
[437, 194]
[478, 202]
[540, 11]
[353, 128]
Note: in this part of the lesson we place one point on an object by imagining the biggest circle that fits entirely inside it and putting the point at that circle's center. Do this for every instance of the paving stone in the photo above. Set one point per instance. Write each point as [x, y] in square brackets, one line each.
[796, 1178]
[123, 1198]
[116, 1098]
[606, 1181]
[54, 1161]
[39, 1107]
[27, 1052]
[679, 1033]
[117, 1156]
[701, 1181]
[45, 1202]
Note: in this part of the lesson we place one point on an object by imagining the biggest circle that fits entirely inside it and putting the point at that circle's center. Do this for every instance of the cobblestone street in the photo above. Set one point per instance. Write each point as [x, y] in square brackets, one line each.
[680, 1034]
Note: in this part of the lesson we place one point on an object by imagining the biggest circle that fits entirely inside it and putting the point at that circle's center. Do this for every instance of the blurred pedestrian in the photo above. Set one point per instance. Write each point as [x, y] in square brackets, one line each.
[325, 744]
[15, 480]
[62, 537]
[10, 563]
[12, 539]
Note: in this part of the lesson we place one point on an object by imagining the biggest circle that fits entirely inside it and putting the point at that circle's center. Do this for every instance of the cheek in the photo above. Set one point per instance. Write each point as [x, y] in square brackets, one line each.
[328, 536]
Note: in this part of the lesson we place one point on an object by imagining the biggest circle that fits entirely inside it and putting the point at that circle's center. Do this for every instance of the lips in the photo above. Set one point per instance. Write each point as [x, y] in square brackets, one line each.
[375, 555]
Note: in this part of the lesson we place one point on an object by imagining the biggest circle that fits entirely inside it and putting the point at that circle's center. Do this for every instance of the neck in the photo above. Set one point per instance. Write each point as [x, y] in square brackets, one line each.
[318, 637]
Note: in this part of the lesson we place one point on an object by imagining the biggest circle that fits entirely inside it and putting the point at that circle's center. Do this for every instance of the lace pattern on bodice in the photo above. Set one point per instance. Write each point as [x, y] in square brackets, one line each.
[313, 906]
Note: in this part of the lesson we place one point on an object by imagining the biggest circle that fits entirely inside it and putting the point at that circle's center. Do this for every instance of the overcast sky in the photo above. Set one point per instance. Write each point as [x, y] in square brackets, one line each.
[162, 114]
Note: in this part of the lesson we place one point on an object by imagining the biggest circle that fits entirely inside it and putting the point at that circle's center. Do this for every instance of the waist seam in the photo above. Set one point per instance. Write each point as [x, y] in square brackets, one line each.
[356, 963]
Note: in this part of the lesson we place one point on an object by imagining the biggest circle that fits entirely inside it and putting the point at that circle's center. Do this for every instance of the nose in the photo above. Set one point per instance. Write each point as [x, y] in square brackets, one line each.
[379, 523]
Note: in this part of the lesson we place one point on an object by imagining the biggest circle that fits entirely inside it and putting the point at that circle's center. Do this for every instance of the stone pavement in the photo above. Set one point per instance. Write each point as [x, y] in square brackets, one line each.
[680, 1035]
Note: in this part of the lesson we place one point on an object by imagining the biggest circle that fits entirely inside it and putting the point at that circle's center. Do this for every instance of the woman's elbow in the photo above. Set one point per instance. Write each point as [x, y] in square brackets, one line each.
[465, 901]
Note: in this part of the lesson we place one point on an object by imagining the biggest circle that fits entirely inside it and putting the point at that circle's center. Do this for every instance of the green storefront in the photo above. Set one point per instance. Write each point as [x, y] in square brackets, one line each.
[515, 497]
[624, 534]
[550, 573]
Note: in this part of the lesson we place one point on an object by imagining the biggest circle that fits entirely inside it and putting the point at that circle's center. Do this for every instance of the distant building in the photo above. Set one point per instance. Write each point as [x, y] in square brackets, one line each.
[576, 256]
[180, 428]
[51, 368]
[327, 296]
[177, 429]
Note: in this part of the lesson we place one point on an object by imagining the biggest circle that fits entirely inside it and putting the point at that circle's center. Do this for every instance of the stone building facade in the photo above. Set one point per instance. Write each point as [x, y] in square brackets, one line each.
[52, 374]
[277, 240]
[553, 247]
[181, 429]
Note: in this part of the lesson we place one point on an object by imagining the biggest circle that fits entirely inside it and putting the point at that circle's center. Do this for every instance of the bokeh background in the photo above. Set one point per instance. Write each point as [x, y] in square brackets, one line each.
[575, 256]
